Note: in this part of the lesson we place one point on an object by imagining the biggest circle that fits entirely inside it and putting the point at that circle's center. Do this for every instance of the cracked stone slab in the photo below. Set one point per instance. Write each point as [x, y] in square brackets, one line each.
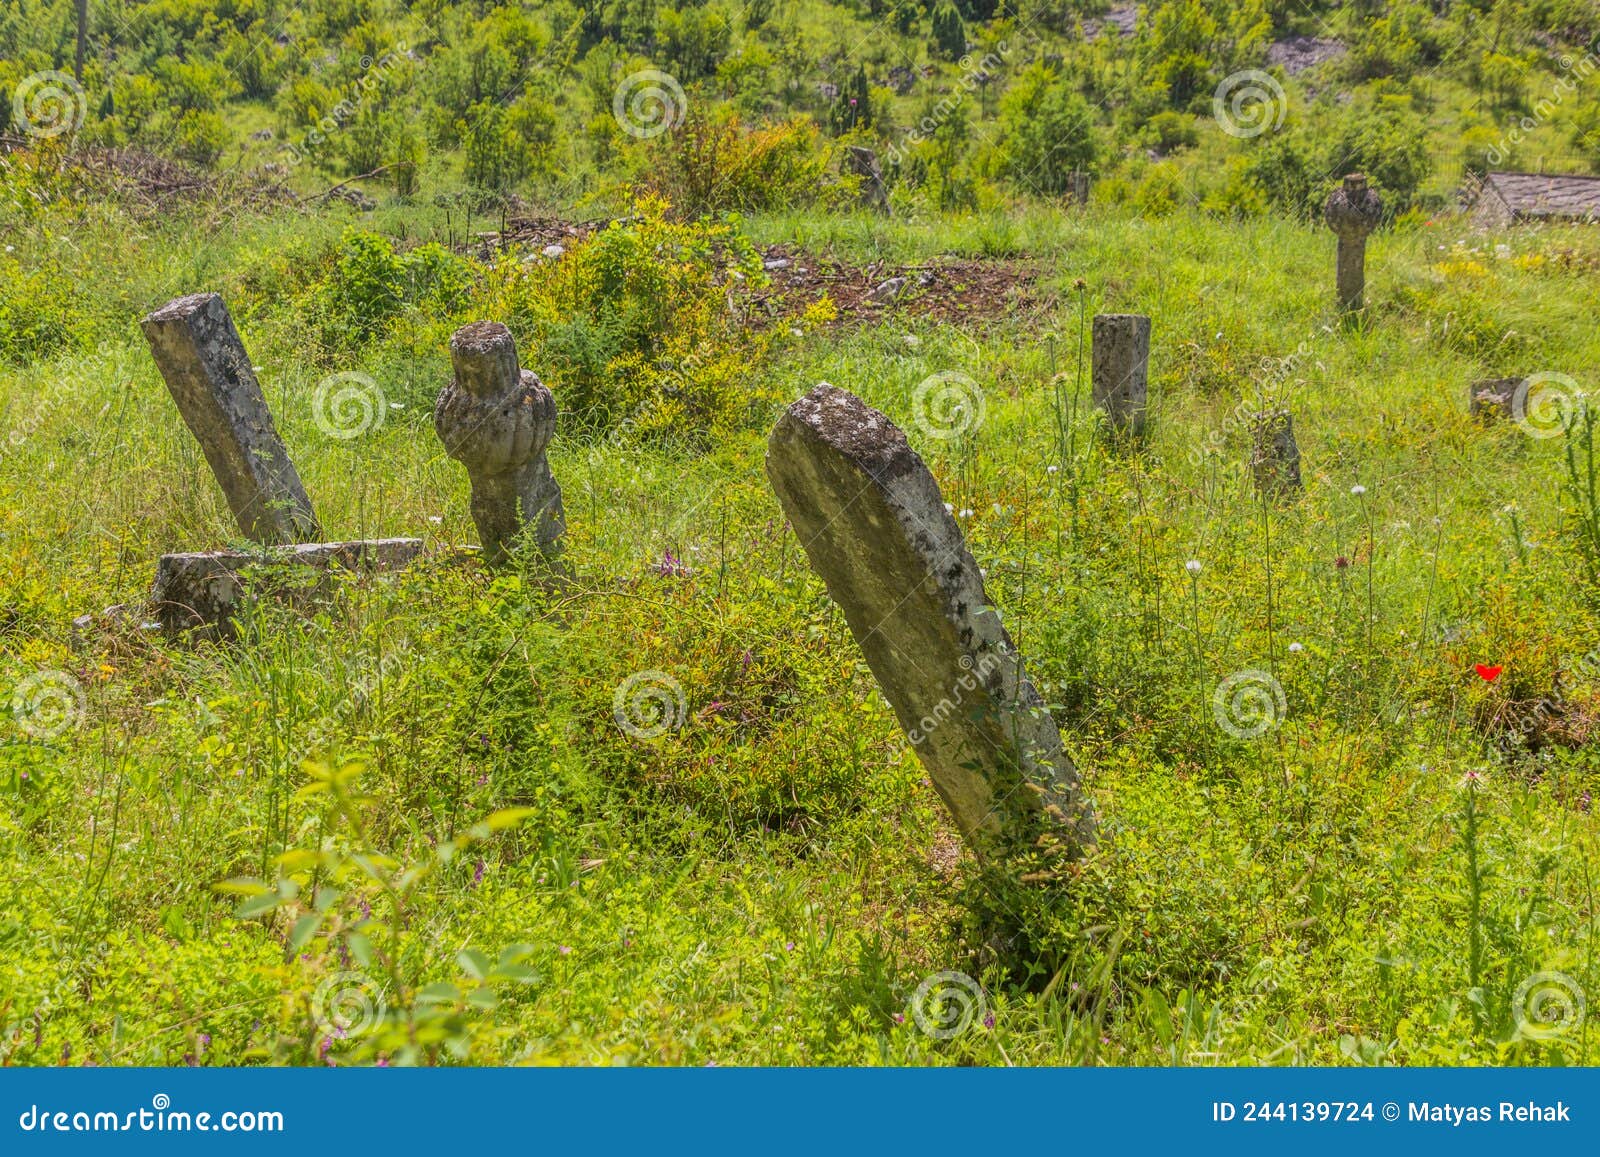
[200, 591]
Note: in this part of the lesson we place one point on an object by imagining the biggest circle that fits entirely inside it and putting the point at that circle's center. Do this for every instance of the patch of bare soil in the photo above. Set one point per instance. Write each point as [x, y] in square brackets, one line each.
[946, 289]
[950, 289]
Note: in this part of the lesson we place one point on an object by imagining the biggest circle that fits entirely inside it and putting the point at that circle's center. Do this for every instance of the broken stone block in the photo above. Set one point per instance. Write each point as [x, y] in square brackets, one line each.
[1274, 456]
[496, 419]
[874, 526]
[210, 377]
[1121, 369]
[198, 592]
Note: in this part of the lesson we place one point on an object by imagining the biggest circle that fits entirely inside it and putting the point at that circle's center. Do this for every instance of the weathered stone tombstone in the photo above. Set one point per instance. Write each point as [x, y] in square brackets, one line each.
[1274, 456]
[209, 375]
[1078, 182]
[863, 162]
[198, 593]
[1492, 398]
[873, 524]
[496, 419]
[1121, 369]
[1353, 211]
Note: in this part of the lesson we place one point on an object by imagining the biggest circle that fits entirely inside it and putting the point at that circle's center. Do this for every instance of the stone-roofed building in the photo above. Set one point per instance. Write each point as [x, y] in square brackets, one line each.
[1510, 198]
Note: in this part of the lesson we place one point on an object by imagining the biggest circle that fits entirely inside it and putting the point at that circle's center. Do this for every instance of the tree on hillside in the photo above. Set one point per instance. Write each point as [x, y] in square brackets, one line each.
[949, 31]
[1049, 132]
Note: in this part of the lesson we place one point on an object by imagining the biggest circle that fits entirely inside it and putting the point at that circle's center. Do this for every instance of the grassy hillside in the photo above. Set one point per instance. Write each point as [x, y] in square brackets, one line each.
[658, 811]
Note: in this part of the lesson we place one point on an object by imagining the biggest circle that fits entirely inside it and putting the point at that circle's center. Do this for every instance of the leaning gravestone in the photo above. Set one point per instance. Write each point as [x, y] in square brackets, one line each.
[496, 419]
[875, 527]
[209, 376]
[1120, 365]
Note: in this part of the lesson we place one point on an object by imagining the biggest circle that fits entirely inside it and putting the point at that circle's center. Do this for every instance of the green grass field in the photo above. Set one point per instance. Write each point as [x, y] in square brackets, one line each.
[466, 859]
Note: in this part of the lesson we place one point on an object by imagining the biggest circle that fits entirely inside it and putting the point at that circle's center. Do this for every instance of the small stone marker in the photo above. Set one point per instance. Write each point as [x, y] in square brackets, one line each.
[874, 526]
[863, 162]
[1274, 457]
[1491, 398]
[496, 419]
[209, 376]
[1352, 211]
[200, 591]
[1078, 182]
[1121, 369]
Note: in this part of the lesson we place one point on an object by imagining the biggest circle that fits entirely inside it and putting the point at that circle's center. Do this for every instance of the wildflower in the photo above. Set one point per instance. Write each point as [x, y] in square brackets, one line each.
[790, 945]
[565, 950]
[670, 566]
[988, 1020]
[899, 1018]
[477, 874]
[1358, 490]
[1051, 469]
[1192, 566]
[949, 508]
[1341, 563]
[966, 512]
[1296, 648]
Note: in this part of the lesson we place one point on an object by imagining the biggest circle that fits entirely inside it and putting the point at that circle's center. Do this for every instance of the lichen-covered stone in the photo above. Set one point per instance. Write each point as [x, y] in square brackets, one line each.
[1353, 210]
[496, 419]
[210, 377]
[197, 593]
[1120, 361]
[874, 526]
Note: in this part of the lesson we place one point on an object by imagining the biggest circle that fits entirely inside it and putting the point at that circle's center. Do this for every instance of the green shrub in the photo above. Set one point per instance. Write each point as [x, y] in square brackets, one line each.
[633, 324]
[1048, 131]
[370, 285]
